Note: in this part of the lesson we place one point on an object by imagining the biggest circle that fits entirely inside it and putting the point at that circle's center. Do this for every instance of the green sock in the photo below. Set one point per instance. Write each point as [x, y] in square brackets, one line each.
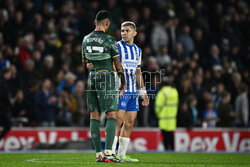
[95, 134]
[110, 133]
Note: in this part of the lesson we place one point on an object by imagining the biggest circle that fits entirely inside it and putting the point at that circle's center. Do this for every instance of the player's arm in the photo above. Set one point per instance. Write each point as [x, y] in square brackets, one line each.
[85, 61]
[120, 73]
[142, 90]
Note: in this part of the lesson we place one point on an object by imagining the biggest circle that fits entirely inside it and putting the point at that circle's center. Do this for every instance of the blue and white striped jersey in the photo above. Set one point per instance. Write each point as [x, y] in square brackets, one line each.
[130, 57]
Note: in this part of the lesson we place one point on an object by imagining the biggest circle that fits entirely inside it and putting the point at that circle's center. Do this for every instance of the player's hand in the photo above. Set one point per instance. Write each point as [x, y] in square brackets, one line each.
[122, 89]
[145, 100]
[90, 66]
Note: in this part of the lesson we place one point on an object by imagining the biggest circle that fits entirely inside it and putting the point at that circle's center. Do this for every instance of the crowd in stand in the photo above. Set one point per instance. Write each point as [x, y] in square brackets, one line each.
[202, 46]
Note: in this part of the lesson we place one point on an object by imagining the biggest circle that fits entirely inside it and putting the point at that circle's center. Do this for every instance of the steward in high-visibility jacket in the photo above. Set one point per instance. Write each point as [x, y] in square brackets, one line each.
[166, 106]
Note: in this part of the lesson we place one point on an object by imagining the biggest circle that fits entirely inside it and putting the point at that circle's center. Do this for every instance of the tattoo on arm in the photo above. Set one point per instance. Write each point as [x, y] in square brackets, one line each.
[119, 69]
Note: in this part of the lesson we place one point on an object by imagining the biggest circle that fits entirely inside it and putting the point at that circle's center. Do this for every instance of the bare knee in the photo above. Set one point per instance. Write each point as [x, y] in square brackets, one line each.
[111, 114]
[129, 124]
[95, 115]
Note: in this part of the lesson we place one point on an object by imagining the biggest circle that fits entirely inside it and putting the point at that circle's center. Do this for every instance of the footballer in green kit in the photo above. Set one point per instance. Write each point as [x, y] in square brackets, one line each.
[99, 50]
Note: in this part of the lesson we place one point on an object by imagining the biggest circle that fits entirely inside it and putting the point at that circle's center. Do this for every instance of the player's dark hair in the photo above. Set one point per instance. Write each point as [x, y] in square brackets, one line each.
[129, 23]
[102, 15]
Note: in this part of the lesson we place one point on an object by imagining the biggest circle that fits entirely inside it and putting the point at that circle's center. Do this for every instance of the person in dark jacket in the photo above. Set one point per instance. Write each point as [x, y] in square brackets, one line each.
[5, 102]
[226, 111]
[45, 105]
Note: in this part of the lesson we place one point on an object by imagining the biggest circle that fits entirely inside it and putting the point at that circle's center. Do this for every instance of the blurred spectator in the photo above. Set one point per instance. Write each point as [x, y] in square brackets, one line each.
[31, 103]
[15, 81]
[36, 56]
[185, 88]
[159, 36]
[37, 26]
[198, 83]
[217, 93]
[24, 53]
[80, 117]
[199, 42]
[28, 75]
[213, 58]
[3, 62]
[184, 118]
[235, 85]
[68, 106]
[226, 111]
[45, 105]
[14, 27]
[186, 41]
[242, 107]
[178, 53]
[192, 103]
[163, 58]
[68, 82]
[5, 104]
[19, 109]
[209, 116]
[48, 69]
[225, 49]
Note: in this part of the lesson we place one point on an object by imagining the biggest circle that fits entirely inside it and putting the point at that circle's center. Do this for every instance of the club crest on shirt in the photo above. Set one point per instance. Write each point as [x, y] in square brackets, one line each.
[123, 104]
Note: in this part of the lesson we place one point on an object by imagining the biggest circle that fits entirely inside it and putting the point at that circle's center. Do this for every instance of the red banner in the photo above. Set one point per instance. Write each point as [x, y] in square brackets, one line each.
[142, 139]
[212, 140]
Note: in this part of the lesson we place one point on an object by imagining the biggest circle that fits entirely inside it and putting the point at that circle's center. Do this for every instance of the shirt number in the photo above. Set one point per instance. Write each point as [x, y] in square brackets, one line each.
[99, 49]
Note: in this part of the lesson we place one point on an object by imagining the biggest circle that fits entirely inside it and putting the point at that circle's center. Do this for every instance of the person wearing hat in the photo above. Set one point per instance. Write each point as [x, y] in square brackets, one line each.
[5, 104]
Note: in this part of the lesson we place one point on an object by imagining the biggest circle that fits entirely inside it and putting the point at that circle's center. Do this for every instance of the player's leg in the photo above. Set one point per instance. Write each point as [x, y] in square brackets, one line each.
[119, 120]
[95, 114]
[110, 131]
[128, 124]
[108, 103]
[95, 133]
[125, 133]
[110, 134]
[122, 104]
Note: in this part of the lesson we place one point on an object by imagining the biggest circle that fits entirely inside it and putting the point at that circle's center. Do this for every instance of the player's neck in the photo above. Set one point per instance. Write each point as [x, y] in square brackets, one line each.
[130, 42]
[100, 28]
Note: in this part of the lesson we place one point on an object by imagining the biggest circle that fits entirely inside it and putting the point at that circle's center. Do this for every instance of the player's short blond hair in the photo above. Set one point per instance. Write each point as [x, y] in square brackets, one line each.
[129, 23]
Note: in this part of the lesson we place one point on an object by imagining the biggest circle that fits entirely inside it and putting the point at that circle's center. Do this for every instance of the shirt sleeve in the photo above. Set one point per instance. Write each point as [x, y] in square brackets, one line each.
[113, 48]
[138, 64]
[83, 54]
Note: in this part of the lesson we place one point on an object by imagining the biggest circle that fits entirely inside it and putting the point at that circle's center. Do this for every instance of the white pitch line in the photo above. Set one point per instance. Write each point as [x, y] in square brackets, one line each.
[41, 160]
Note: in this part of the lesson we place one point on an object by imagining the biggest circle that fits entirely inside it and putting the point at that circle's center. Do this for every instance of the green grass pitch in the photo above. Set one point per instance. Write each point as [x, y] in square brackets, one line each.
[146, 159]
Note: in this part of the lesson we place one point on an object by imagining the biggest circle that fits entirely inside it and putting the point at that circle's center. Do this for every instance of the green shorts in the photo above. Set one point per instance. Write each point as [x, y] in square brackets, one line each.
[101, 92]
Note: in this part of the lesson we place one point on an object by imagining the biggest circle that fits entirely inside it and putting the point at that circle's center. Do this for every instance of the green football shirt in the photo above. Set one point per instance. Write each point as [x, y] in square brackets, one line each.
[99, 49]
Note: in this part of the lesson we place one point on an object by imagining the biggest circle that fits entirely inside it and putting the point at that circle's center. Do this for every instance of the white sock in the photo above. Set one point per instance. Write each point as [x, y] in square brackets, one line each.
[114, 145]
[123, 146]
[99, 153]
[108, 152]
